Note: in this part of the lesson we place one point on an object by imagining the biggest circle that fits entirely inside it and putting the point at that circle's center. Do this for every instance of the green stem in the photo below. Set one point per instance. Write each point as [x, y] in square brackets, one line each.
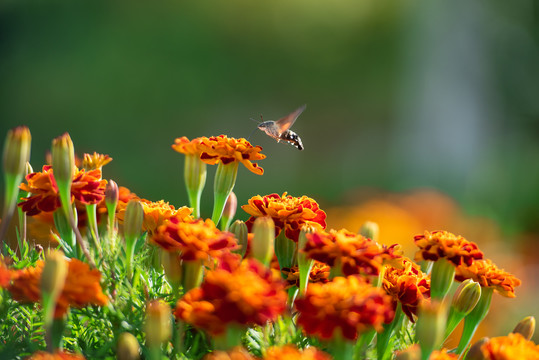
[225, 179]
[363, 343]
[195, 179]
[474, 318]
[383, 350]
[285, 250]
[443, 273]
[192, 274]
[91, 211]
[10, 201]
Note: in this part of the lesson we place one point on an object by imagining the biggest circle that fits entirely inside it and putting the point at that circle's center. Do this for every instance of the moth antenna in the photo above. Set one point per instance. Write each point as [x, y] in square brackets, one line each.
[256, 121]
[252, 132]
[261, 118]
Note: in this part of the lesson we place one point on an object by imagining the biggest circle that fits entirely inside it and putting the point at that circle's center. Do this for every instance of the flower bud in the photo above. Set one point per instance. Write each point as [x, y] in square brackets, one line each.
[224, 181]
[63, 158]
[466, 296]
[229, 211]
[370, 230]
[54, 273]
[158, 325]
[304, 263]
[430, 326]
[475, 352]
[525, 327]
[170, 261]
[112, 194]
[239, 229]
[128, 347]
[443, 273]
[17, 150]
[412, 353]
[263, 240]
[134, 216]
[195, 180]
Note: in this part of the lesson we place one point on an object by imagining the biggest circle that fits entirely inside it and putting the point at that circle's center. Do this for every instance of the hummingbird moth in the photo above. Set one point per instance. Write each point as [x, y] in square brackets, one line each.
[280, 129]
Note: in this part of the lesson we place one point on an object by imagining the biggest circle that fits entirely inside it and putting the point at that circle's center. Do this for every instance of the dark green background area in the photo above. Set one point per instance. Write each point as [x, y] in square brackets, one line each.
[399, 94]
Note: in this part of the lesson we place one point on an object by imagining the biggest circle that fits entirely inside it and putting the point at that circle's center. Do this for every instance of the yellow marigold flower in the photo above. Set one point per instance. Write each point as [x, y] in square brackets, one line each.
[319, 273]
[407, 284]
[290, 352]
[81, 286]
[223, 149]
[355, 253]
[289, 213]
[442, 355]
[349, 304]
[59, 355]
[443, 244]
[86, 188]
[238, 353]
[195, 239]
[512, 346]
[243, 293]
[487, 274]
[95, 161]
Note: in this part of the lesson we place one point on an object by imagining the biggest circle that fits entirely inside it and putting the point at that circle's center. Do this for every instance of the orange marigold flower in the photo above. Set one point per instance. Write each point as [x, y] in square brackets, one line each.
[407, 284]
[243, 293]
[59, 355]
[512, 346]
[319, 273]
[487, 274]
[290, 352]
[443, 244]
[356, 253]
[349, 304]
[95, 161]
[288, 213]
[223, 149]
[87, 188]
[81, 286]
[442, 355]
[238, 353]
[195, 239]
[5, 275]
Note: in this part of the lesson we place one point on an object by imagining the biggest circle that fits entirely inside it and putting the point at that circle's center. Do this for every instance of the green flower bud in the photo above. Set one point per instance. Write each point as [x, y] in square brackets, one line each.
[525, 327]
[304, 263]
[229, 211]
[17, 151]
[370, 230]
[239, 229]
[128, 347]
[225, 179]
[158, 326]
[443, 273]
[54, 274]
[430, 328]
[466, 296]
[263, 239]
[195, 180]
[134, 215]
[170, 261]
[63, 158]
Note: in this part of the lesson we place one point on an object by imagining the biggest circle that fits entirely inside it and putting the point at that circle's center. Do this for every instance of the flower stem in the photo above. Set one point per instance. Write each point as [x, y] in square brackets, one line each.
[474, 318]
[225, 179]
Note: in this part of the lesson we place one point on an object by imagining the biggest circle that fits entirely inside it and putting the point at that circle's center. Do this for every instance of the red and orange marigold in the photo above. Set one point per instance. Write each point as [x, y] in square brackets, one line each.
[59, 355]
[408, 285]
[487, 274]
[241, 293]
[87, 188]
[223, 149]
[290, 352]
[443, 244]
[288, 213]
[512, 346]
[81, 286]
[238, 353]
[349, 305]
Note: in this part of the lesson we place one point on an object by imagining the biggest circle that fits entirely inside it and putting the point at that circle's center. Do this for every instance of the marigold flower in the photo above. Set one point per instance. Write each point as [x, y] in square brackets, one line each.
[223, 149]
[319, 274]
[236, 292]
[407, 284]
[487, 274]
[238, 353]
[86, 188]
[443, 244]
[288, 212]
[349, 304]
[5, 275]
[59, 355]
[512, 346]
[81, 286]
[195, 239]
[442, 355]
[95, 161]
[354, 252]
[290, 352]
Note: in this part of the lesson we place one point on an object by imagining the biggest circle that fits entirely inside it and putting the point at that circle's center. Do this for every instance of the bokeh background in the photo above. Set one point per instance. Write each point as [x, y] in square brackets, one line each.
[420, 114]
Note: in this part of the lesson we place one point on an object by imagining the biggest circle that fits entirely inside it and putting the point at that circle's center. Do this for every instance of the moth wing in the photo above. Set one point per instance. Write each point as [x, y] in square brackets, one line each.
[286, 122]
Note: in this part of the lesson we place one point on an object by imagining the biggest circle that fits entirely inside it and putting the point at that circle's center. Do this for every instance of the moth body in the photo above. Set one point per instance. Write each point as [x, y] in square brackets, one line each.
[280, 129]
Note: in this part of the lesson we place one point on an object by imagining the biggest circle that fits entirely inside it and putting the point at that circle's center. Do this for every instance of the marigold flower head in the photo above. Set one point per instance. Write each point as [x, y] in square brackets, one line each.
[95, 161]
[512, 346]
[349, 305]
[443, 244]
[290, 352]
[86, 188]
[81, 286]
[487, 274]
[195, 239]
[407, 284]
[238, 353]
[243, 293]
[442, 355]
[223, 149]
[289, 213]
[5, 275]
[59, 355]
[356, 253]
[319, 274]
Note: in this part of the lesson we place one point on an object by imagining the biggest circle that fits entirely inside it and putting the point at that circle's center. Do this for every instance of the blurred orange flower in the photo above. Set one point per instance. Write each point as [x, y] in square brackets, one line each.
[236, 292]
[59, 355]
[290, 352]
[443, 244]
[87, 188]
[355, 253]
[5, 275]
[319, 273]
[238, 353]
[487, 274]
[407, 284]
[442, 355]
[288, 213]
[95, 161]
[195, 239]
[512, 346]
[349, 304]
[223, 149]
[81, 286]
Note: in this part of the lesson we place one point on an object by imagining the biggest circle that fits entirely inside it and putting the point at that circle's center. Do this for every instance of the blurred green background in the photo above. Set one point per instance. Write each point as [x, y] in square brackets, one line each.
[399, 94]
